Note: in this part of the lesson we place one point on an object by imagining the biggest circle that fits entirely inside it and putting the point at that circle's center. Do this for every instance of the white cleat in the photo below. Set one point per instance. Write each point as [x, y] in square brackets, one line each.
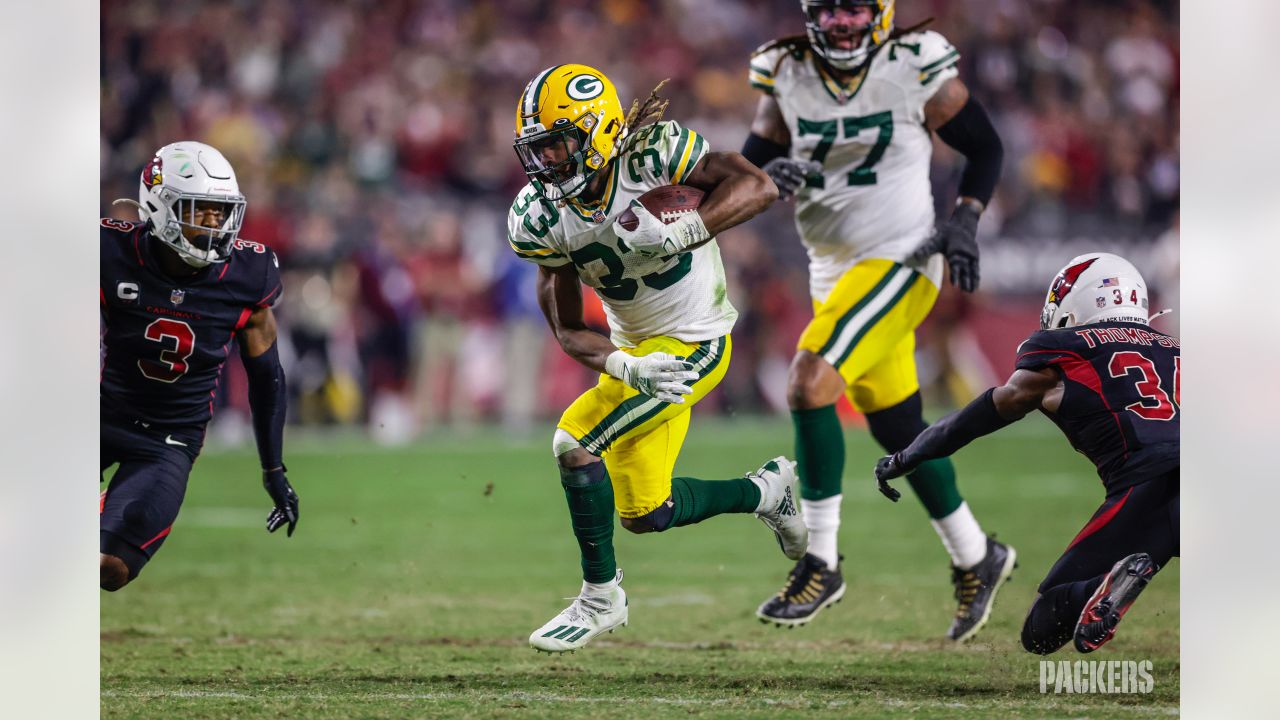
[778, 508]
[585, 618]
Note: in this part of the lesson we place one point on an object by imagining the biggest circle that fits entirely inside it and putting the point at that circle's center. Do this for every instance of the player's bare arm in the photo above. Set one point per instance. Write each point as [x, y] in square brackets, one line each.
[736, 190]
[560, 297]
[258, 334]
[963, 124]
[268, 401]
[1025, 391]
[658, 375]
[945, 103]
[769, 146]
[769, 123]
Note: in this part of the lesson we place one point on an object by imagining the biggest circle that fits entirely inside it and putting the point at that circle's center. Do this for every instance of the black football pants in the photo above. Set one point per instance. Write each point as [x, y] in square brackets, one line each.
[1140, 519]
[141, 502]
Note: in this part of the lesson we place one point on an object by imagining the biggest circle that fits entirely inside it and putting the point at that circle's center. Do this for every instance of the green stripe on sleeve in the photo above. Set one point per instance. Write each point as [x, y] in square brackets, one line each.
[929, 78]
[674, 161]
[953, 55]
[521, 245]
[694, 154]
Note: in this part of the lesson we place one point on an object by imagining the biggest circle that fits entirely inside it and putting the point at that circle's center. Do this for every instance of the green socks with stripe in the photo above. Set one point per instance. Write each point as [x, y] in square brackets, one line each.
[590, 496]
[819, 451]
[696, 500]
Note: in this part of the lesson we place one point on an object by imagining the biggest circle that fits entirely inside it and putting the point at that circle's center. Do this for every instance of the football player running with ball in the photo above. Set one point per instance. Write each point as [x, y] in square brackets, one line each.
[1111, 384]
[175, 289]
[663, 291]
[845, 127]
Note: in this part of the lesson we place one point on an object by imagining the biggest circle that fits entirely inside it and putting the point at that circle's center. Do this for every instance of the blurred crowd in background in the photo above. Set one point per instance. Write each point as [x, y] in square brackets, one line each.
[373, 142]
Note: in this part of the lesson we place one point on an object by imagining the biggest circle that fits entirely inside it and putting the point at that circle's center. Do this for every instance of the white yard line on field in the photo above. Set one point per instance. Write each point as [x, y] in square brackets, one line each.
[521, 696]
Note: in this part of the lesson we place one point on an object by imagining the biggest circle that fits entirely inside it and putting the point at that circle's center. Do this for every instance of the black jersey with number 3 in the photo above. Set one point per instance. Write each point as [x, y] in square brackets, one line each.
[1120, 404]
[165, 339]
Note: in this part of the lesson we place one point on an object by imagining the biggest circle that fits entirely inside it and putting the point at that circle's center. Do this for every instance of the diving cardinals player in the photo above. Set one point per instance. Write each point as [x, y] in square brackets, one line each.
[1111, 384]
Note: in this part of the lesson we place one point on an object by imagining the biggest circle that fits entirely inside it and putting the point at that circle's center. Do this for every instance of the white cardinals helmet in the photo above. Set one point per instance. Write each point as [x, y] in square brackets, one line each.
[1093, 288]
[181, 176]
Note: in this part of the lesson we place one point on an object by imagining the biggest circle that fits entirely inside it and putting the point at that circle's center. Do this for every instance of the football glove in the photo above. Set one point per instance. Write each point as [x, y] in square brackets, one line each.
[653, 238]
[658, 375]
[286, 500]
[789, 175]
[957, 240]
[887, 468]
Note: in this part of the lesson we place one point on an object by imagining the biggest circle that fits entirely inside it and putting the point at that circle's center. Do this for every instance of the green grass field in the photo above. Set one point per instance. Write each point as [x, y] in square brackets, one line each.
[417, 574]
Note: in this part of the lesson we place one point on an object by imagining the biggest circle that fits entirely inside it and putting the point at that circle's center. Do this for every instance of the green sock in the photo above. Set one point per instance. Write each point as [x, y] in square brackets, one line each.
[696, 500]
[935, 485]
[819, 451]
[590, 496]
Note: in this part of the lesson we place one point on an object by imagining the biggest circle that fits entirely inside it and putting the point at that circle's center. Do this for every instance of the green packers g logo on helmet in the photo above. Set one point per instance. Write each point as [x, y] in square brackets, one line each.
[569, 126]
[584, 87]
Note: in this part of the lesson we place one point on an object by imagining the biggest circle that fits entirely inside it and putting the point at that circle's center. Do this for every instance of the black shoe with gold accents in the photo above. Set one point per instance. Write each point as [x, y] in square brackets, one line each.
[976, 589]
[811, 587]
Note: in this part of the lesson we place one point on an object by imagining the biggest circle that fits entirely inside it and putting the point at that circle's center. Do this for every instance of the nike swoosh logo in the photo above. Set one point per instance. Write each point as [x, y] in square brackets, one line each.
[168, 440]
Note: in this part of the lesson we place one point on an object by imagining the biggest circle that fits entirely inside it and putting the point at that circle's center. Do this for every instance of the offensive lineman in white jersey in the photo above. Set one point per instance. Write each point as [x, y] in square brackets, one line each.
[844, 126]
[663, 290]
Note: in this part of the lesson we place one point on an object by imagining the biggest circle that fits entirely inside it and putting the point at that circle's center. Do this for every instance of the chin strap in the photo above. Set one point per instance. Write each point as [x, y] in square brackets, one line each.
[1165, 311]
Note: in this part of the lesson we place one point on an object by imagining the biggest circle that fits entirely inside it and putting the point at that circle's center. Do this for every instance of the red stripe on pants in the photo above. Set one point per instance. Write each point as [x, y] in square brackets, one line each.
[1100, 521]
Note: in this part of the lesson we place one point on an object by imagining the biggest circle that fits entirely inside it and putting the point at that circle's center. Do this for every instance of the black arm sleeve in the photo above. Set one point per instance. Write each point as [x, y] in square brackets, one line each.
[758, 150]
[268, 401]
[970, 132]
[954, 431]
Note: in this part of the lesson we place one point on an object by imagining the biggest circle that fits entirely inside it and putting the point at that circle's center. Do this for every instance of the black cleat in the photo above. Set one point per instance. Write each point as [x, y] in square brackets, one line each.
[811, 587]
[976, 589]
[1112, 600]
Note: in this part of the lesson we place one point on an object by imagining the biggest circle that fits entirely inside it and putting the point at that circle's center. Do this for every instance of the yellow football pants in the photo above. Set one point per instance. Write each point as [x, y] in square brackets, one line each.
[866, 329]
[638, 436]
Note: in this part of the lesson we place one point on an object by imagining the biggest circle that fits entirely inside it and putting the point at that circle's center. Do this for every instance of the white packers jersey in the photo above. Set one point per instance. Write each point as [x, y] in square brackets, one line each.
[684, 296]
[874, 199]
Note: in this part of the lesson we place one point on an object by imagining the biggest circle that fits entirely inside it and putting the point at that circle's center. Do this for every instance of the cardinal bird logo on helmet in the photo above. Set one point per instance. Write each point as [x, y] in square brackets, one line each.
[1067, 280]
[152, 174]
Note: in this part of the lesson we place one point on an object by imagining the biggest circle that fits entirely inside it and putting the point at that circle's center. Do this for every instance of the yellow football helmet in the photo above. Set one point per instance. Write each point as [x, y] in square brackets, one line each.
[876, 34]
[569, 126]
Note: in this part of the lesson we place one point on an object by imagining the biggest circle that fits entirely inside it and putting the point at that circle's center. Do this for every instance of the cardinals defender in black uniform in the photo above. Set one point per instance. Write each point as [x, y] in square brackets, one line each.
[175, 290]
[1111, 383]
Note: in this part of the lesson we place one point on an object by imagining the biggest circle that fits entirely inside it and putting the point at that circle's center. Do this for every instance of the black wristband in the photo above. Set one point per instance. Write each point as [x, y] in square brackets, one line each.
[971, 133]
[758, 150]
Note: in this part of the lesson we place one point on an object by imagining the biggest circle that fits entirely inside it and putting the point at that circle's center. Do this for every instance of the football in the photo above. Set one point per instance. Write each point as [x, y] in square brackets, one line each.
[667, 203]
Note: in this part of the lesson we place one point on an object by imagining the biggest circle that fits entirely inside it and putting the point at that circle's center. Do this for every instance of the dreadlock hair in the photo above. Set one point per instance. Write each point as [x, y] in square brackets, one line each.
[643, 116]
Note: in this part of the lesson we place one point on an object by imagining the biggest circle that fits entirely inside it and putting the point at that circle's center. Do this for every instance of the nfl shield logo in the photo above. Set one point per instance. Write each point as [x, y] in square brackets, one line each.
[598, 216]
[176, 296]
[1102, 302]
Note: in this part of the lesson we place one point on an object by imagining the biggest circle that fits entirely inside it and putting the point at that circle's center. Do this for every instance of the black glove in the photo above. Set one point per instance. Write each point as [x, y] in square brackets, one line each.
[887, 468]
[286, 500]
[957, 240]
[790, 175]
